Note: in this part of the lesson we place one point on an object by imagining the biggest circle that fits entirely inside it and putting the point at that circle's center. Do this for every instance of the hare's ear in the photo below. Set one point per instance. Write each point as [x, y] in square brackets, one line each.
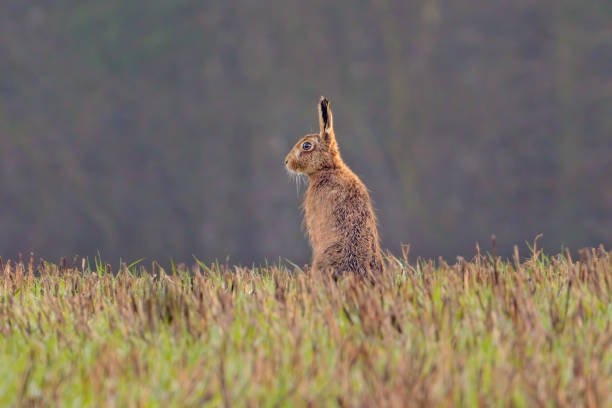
[326, 124]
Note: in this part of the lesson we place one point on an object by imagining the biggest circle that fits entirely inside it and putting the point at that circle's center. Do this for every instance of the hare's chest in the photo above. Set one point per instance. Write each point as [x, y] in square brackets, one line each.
[319, 219]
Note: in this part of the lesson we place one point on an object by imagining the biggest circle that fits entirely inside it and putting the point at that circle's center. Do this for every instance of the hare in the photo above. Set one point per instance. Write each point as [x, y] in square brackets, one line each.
[338, 214]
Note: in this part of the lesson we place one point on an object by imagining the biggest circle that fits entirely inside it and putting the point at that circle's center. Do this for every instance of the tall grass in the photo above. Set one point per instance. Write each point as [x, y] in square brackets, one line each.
[519, 332]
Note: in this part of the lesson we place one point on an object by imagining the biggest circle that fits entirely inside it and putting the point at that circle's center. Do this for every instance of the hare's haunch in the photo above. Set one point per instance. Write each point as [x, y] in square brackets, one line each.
[338, 214]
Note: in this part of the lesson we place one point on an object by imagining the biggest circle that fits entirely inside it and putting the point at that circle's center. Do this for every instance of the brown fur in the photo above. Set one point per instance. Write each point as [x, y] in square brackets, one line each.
[338, 214]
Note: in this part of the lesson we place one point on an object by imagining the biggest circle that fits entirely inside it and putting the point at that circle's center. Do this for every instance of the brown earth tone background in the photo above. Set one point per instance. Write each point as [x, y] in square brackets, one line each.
[159, 130]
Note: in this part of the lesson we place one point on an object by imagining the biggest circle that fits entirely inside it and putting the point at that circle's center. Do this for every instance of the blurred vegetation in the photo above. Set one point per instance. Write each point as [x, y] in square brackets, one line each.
[159, 130]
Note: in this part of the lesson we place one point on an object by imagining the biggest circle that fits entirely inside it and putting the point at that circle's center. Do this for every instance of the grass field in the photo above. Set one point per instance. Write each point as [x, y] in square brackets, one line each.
[527, 331]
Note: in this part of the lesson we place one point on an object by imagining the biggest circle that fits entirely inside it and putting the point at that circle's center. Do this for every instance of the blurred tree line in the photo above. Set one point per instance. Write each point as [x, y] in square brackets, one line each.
[158, 129]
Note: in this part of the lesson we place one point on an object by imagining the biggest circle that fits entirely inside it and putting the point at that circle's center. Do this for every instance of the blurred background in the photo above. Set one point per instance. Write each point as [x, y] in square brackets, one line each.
[159, 130]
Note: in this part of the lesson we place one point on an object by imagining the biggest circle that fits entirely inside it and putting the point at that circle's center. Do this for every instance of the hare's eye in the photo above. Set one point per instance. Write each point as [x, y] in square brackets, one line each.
[306, 146]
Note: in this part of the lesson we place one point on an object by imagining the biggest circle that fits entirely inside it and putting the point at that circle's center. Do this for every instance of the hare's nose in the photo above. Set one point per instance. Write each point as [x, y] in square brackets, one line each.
[286, 161]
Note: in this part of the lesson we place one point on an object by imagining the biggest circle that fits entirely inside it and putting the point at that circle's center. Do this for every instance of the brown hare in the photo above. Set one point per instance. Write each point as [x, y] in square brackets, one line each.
[338, 214]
